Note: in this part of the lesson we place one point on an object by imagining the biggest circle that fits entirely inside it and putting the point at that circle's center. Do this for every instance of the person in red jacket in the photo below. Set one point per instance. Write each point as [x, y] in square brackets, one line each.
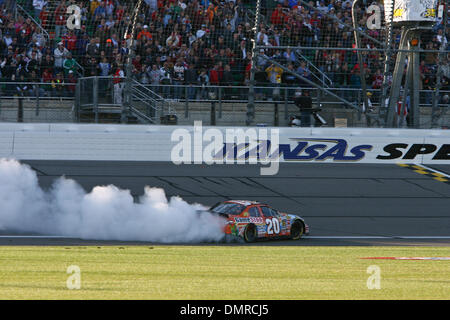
[214, 78]
[144, 33]
[70, 41]
[119, 75]
[278, 16]
[60, 18]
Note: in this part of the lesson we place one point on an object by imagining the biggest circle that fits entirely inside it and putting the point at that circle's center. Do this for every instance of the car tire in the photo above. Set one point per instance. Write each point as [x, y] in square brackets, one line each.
[297, 230]
[250, 233]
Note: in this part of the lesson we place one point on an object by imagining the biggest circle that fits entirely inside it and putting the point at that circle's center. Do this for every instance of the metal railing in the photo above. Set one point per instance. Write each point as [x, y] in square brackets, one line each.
[323, 78]
[20, 10]
[145, 101]
[96, 95]
[162, 94]
[280, 97]
[269, 93]
[149, 102]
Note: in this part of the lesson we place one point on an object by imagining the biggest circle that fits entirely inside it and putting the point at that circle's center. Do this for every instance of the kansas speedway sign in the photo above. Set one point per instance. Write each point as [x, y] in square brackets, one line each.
[214, 145]
[340, 150]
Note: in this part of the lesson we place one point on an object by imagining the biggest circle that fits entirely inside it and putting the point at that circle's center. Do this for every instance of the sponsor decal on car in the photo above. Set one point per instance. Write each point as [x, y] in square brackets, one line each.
[261, 229]
[257, 220]
[242, 220]
[234, 230]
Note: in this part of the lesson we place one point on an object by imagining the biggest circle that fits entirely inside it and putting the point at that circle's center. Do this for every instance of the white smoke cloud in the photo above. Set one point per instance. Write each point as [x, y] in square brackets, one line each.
[106, 213]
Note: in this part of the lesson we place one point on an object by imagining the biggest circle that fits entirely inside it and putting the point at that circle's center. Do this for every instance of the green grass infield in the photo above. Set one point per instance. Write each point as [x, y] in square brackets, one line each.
[222, 272]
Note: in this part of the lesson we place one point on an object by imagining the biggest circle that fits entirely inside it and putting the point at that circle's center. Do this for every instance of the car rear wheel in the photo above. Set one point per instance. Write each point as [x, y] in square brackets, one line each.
[250, 233]
[297, 230]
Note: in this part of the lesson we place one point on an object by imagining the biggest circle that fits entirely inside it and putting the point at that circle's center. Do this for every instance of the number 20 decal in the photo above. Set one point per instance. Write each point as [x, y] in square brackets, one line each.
[273, 226]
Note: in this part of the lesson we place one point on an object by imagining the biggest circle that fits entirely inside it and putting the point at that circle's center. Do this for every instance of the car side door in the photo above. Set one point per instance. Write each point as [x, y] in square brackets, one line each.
[272, 221]
[255, 217]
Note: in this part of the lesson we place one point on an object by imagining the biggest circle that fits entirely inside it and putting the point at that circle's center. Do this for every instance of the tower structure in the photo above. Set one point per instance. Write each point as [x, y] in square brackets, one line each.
[413, 17]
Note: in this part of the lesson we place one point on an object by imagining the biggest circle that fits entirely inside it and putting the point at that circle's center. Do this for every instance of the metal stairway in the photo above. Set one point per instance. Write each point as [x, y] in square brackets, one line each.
[95, 102]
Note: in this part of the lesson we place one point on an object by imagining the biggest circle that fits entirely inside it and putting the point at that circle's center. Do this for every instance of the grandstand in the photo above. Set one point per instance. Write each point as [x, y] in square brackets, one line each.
[187, 51]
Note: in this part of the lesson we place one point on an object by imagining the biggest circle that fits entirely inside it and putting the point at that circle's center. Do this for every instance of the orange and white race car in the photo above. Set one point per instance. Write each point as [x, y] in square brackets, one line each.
[251, 220]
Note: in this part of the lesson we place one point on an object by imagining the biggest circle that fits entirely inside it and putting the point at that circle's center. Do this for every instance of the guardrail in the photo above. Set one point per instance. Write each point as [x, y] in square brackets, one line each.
[188, 94]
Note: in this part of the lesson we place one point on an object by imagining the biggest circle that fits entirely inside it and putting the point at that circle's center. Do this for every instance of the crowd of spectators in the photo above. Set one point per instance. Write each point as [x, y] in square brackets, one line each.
[200, 43]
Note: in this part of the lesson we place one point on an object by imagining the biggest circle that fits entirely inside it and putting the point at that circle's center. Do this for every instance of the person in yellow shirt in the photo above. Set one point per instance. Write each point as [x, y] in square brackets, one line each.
[94, 5]
[274, 74]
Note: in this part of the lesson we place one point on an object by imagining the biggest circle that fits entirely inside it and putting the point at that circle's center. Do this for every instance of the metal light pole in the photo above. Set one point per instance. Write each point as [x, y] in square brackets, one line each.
[251, 91]
[362, 73]
[387, 61]
[128, 69]
[408, 41]
[414, 17]
[440, 71]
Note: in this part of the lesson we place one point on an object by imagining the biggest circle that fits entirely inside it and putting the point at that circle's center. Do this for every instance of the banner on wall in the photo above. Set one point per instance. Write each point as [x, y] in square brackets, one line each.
[412, 10]
[198, 144]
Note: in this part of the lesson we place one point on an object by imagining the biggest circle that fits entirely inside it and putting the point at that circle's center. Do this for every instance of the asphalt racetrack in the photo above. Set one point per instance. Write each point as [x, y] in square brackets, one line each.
[345, 204]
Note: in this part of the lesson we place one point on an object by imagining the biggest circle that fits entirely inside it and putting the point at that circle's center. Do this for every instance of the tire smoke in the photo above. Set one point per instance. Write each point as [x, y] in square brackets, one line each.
[105, 213]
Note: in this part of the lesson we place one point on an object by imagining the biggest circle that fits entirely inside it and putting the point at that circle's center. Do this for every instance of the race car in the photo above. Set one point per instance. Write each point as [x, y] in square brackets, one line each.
[251, 220]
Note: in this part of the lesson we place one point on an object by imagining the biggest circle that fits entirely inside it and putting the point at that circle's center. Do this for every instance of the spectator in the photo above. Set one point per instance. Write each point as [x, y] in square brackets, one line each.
[38, 38]
[203, 81]
[227, 80]
[144, 34]
[47, 77]
[70, 41]
[60, 88]
[191, 79]
[179, 70]
[22, 89]
[71, 80]
[93, 48]
[91, 67]
[154, 76]
[59, 55]
[69, 64]
[119, 75]
[278, 16]
[105, 67]
[60, 18]
[166, 80]
[203, 34]
[274, 74]
[304, 102]
[38, 6]
[48, 63]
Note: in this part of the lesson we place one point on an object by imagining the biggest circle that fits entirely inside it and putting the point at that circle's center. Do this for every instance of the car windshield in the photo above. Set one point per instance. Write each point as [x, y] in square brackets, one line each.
[228, 208]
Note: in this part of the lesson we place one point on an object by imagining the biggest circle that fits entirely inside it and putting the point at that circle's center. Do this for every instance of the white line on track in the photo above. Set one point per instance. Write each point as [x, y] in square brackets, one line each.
[306, 237]
[433, 170]
[35, 237]
[376, 237]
